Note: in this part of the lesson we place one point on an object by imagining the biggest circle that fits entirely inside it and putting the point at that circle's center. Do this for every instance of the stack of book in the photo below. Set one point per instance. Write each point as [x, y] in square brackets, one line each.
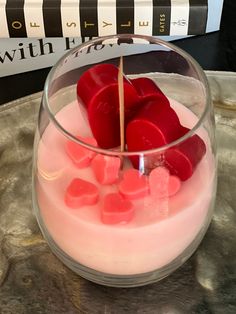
[36, 33]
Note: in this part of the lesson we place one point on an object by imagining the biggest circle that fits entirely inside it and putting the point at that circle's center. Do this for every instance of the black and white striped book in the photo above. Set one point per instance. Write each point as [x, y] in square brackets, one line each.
[93, 18]
[71, 22]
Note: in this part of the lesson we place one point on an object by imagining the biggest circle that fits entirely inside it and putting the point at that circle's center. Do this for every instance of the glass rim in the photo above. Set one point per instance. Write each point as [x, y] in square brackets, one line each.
[114, 152]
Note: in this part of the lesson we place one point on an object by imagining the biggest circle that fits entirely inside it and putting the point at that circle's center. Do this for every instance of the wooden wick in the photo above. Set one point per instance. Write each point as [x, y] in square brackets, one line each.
[121, 105]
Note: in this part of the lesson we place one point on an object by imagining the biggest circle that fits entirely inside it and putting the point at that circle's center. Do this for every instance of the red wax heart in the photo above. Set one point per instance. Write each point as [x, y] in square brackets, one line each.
[162, 184]
[154, 126]
[94, 80]
[103, 113]
[134, 185]
[80, 155]
[116, 209]
[81, 193]
[106, 168]
[183, 158]
[147, 90]
[98, 89]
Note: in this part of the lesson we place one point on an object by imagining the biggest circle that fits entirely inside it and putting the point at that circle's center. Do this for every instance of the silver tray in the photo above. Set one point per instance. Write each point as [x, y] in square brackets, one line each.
[33, 280]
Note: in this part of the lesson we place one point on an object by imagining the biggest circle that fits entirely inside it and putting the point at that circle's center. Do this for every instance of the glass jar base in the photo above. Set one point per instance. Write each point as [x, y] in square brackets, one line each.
[161, 186]
[121, 281]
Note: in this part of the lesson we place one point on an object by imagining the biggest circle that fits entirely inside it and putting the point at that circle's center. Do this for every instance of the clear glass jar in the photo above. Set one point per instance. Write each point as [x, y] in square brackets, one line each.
[125, 218]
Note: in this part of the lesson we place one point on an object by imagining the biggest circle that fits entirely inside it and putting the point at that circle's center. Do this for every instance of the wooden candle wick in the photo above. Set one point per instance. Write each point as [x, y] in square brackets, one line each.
[121, 105]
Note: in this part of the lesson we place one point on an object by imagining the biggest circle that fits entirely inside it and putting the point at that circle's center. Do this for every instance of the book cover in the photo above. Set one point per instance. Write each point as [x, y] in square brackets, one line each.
[21, 54]
[93, 18]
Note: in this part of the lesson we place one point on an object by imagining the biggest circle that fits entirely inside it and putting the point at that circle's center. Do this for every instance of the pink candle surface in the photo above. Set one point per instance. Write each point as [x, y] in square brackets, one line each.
[151, 239]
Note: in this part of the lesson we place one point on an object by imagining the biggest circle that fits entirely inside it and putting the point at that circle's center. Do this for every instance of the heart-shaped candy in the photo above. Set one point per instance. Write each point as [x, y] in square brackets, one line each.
[154, 126]
[106, 168]
[103, 113]
[80, 155]
[98, 90]
[116, 209]
[162, 184]
[154, 123]
[182, 159]
[81, 193]
[148, 90]
[134, 185]
[94, 80]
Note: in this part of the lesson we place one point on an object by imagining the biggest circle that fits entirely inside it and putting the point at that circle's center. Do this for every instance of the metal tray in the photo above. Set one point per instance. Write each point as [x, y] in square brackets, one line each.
[33, 280]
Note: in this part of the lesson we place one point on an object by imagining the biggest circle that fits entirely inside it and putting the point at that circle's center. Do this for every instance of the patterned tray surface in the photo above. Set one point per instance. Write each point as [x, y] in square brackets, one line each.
[33, 280]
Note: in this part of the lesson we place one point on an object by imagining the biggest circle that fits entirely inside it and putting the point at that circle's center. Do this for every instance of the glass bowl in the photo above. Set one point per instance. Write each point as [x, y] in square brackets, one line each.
[125, 216]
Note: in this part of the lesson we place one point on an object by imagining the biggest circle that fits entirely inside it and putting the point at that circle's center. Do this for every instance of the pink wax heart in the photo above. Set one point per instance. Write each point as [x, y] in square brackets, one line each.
[106, 168]
[80, 155]
[134, 185]
[183, 158]
[162, 184]
[103, 113]
[148, 90]
[116, 209]
[94, 80]
[81, 193]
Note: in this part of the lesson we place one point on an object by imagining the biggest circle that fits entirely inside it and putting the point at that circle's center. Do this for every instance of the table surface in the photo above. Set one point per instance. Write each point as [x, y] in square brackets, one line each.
[215, 51]
[34, 281]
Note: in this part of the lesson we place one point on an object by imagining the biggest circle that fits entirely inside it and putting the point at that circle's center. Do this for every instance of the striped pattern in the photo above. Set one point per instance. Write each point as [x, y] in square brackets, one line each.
[143, 17]
[35, 25]
[107, 17]
[52, 18]
[179, 17]
[3, 20]
[70, 18]
[15, 18]
[92, 18]
[161, 17]
[197, 22]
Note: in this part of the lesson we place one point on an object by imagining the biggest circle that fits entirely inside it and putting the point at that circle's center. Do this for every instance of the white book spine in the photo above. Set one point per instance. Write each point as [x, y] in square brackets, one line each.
[179, 17]
[26, 54]
[34, 18]
[143, 17]
[3, 20]
[70, 18]
[106, 18]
